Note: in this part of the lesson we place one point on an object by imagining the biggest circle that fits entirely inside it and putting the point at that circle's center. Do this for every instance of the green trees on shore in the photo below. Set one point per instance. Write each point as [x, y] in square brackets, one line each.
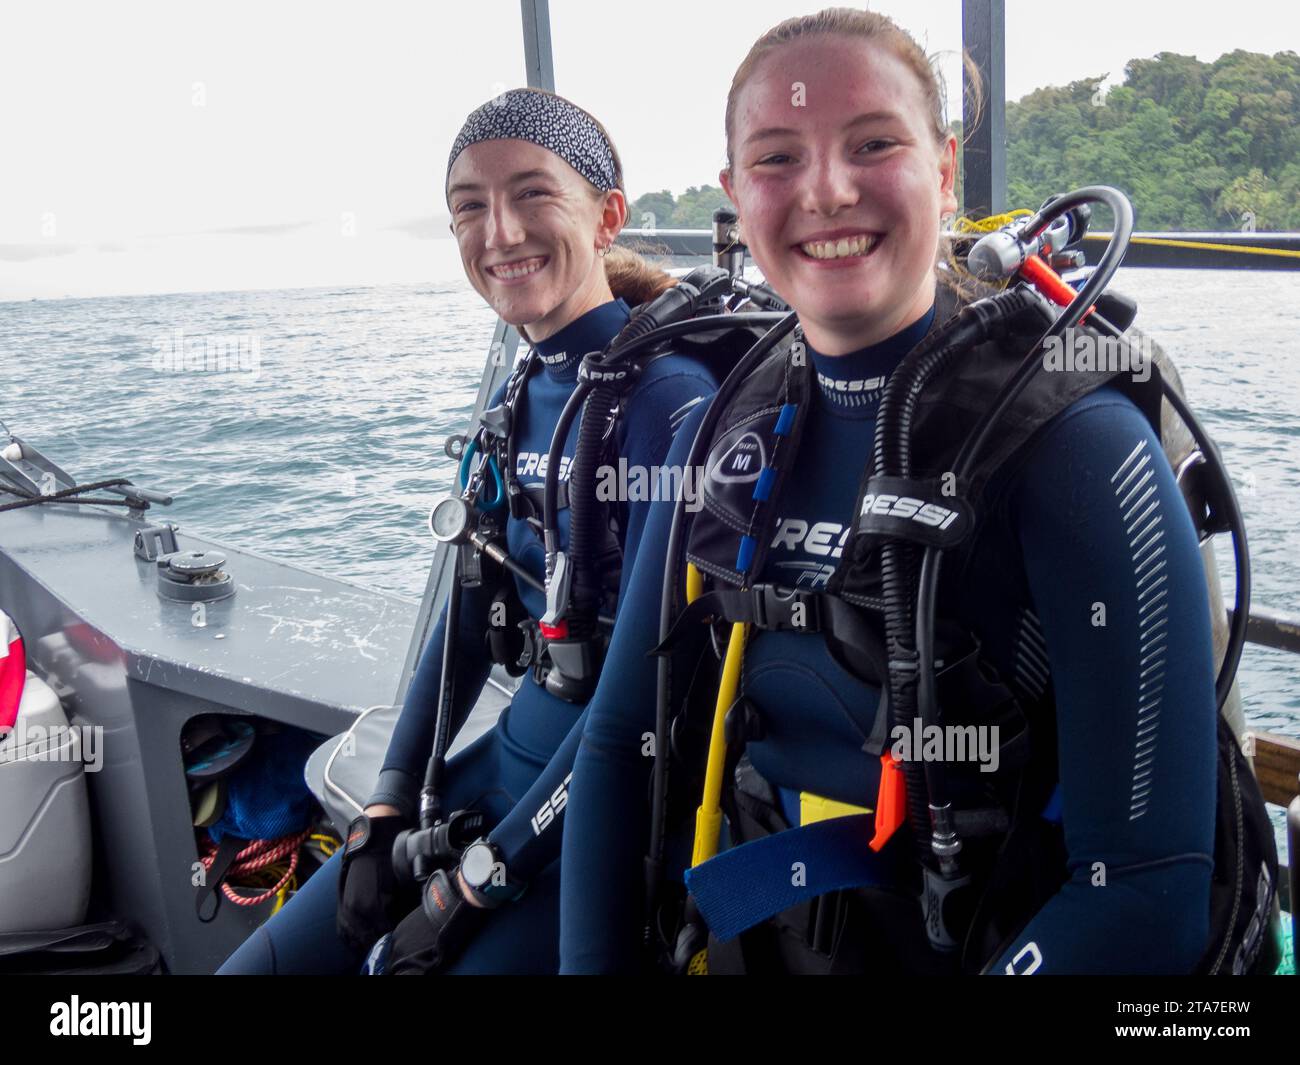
[1197, 146]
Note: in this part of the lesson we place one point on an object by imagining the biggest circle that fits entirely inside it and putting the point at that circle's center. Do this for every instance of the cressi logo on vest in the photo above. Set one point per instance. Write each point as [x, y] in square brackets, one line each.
[823, 538]
[917, 510]
[530, 463]
[820, 539]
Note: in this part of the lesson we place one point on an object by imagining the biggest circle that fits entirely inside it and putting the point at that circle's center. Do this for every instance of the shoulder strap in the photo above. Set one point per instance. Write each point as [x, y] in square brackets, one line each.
[506, 415]
[747, 462]
[946, 413]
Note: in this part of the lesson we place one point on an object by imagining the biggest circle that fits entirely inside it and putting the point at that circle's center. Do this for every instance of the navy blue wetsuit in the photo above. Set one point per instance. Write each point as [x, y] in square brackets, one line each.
[1087, 516]
[500, 766]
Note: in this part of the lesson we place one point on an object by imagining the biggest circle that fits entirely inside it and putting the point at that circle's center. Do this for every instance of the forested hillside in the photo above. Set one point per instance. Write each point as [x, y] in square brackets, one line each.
[1196, 146]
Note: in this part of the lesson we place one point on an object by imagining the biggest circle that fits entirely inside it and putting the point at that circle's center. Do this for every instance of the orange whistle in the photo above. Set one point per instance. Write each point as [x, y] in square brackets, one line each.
[891, 802]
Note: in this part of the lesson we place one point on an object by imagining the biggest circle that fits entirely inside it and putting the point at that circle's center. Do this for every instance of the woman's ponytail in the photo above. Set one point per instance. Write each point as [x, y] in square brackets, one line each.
[633, 279]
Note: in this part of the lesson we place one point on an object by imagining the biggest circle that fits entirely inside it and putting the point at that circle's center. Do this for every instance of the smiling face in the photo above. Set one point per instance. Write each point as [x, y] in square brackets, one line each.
[528, 226]
[840, 198]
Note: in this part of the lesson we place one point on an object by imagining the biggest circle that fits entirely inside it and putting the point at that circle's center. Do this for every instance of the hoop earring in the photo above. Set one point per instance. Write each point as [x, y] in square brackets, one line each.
[602, 252]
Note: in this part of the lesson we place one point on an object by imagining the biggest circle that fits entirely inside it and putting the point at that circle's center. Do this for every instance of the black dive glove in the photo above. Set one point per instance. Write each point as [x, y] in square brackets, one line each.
[371, 899]
[435, 932]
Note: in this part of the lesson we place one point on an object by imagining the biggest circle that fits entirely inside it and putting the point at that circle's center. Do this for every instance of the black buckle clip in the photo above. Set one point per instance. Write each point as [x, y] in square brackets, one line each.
[785, 610]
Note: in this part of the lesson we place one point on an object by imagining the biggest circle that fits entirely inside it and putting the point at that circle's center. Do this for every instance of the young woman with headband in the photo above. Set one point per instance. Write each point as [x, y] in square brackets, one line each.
[536, 196]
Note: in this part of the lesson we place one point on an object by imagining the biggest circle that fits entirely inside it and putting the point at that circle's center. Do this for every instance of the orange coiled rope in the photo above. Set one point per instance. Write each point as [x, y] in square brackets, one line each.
[257, 855]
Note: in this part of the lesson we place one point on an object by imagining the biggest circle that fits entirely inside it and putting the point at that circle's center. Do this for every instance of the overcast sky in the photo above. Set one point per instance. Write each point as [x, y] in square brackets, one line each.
[158, 147]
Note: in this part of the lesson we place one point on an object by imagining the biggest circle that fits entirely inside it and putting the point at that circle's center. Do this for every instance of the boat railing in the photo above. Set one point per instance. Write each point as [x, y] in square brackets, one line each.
[1275, 757]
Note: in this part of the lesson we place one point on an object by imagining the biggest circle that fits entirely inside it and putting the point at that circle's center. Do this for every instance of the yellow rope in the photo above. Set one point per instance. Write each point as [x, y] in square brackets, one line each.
[988, 225]
[327, 844]
[285, 894]
[1204, 245]
[997, 221]
[965, 226]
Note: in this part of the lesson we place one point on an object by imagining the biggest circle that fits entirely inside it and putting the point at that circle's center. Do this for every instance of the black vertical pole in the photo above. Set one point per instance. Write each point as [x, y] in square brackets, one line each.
[984, 171]
[538, 66]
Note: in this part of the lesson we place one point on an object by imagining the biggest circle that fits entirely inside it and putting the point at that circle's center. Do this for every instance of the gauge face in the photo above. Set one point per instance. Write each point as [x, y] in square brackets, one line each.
[448, 520]
[477, 863]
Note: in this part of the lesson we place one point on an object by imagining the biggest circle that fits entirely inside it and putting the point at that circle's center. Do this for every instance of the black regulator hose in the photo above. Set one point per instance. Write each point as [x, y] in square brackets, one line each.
[900, 560]
[606, 380]
[650, 330]
[1072, 315]
[435, 768]
[586, 526]
[574, 596]
[708, 324]
[619, 354]
[551, 486]
[920, 639]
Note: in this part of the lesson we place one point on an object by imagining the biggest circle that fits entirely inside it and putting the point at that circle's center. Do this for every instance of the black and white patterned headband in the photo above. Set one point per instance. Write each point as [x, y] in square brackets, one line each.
[548, 121]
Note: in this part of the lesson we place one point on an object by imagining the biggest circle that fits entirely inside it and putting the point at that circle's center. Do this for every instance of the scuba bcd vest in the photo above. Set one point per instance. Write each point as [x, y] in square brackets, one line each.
[1017, 858]
[566, 658]
[515, 640]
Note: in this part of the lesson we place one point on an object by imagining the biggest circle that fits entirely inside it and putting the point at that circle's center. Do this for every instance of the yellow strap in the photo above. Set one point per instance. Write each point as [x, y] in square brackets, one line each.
[708, 818]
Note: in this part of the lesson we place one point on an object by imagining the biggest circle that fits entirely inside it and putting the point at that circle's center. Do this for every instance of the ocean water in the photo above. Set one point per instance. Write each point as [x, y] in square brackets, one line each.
[321, 445]
[323, 442]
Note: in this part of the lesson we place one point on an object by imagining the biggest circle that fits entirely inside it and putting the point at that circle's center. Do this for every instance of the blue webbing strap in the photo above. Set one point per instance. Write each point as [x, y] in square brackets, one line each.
[748, 884]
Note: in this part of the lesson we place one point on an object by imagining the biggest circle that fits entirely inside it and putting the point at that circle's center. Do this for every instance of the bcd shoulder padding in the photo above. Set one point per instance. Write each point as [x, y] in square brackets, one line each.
[718, 352]
[950, 409]
[752, 448]
[758, 436]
